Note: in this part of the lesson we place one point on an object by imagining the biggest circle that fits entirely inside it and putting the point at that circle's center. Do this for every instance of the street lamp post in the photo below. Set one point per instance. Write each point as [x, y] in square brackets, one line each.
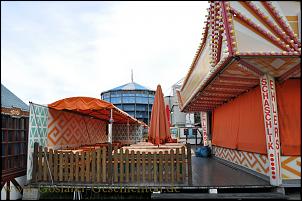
[171, 115]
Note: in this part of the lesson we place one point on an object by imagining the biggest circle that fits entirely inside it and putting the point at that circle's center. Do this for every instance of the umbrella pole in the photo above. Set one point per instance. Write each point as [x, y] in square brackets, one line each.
[110, 148]
[128, 129]
[110, 128]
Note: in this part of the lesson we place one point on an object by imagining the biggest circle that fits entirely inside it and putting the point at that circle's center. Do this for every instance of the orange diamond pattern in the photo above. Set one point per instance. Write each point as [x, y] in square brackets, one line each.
[68, 129]
[253, 161]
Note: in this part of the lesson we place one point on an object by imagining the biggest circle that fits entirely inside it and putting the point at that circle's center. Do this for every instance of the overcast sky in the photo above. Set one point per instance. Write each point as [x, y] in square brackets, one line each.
[55, 50]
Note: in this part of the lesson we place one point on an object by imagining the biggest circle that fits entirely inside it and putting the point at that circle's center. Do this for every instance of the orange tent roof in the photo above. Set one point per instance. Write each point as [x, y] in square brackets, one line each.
[94, 107]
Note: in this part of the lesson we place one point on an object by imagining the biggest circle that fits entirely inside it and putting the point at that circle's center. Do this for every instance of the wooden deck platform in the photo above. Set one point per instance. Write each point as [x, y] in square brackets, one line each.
[173, 169]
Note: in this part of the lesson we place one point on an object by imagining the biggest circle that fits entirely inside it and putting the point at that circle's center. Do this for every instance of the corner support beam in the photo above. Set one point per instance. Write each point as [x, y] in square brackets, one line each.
[271, 124]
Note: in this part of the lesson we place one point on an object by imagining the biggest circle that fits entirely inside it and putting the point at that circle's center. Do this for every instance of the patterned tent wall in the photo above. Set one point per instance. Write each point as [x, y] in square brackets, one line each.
[38, 129]
[291, 165]
[120, 133]
[66, 129]
[59, 129]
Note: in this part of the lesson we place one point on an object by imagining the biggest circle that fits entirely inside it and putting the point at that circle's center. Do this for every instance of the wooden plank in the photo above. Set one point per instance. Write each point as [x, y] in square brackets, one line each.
[40, 167]
[189, 164]
[98, 165]
[183, 158]
[93, 161]
[35, 162]
[82, 168]
[144, 166]
[104, 164]
[66, 166]
[109, 163]
[138, 166]
[45, 167]
[132, 169]
[127, 165]
[77, 166]
[71, 167]
[61, 167]
[115, 165]
[87, 162]
[121, 159]
[172, 166]
[149, 155]
[155, 168]
[160, 168]
[55, 165]
[166, 166]
[177, 165]
[50, 162]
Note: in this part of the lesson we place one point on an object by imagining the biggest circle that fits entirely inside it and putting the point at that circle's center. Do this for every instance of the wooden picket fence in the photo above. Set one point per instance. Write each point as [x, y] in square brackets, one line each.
[122, 166]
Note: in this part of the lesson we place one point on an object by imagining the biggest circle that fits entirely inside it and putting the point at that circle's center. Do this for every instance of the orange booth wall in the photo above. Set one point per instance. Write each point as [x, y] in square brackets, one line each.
[289, 111]
[239, 124]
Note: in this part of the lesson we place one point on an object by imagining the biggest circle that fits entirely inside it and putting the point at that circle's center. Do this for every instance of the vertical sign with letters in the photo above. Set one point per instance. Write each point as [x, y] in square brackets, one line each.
[270, 114]
[204, 128]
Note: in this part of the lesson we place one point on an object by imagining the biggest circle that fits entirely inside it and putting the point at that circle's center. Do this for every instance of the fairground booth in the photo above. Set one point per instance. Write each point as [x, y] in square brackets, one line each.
[245, 81]
[86, 143]
[79, 124]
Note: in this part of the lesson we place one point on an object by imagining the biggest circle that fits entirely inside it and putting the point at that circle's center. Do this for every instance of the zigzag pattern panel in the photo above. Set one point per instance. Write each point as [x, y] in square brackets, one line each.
[120, 132]
[253, 161]
[291, 167]
[275, 66]
[38, 118]
[72, 130]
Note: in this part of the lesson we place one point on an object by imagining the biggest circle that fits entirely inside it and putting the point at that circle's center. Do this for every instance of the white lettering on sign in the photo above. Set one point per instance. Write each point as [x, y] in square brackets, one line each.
[268, 123]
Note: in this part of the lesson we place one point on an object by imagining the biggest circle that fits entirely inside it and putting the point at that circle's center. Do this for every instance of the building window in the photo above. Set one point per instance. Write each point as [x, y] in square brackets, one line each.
[129, 99]
[151, 100]
[106, 95]
[142, 100]
[116, 100]
[141, 107]
[129, 107]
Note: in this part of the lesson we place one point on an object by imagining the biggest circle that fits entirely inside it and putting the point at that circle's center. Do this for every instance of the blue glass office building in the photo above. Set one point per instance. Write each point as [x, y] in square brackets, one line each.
[132, 98]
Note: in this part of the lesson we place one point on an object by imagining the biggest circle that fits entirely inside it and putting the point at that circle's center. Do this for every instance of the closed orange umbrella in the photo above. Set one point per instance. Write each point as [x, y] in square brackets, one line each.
[159, 131]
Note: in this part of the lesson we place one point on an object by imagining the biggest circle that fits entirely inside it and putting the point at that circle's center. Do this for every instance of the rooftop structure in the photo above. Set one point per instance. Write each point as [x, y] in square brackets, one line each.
[9, 100]
[132, 98]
